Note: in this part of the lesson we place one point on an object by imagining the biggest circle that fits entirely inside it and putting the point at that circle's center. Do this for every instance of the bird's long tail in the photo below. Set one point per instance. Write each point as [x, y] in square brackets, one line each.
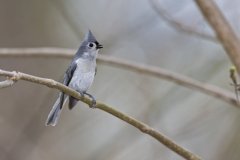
[54, 114]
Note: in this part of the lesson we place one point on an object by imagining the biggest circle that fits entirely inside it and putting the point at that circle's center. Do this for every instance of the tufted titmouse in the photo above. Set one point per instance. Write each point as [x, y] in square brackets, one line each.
[79, 76]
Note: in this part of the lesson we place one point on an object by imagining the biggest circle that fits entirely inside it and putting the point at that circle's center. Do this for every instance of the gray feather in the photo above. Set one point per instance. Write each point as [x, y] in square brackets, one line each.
[72, 102]
[89, 37]
[55, 112]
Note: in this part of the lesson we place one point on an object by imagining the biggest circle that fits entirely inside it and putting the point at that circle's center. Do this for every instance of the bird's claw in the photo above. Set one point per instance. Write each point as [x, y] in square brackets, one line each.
[82, 94]
[94, 103]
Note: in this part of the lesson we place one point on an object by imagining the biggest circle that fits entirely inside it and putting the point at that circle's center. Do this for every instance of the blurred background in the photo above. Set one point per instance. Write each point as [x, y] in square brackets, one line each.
[133, 30]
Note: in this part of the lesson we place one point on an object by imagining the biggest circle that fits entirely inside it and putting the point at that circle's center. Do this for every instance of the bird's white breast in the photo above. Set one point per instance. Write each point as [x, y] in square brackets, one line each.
[83, 75]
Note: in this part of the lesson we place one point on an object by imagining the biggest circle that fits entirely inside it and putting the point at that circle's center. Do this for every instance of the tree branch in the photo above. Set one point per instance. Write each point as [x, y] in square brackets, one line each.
[137, 124]
[179, 26]
[131, 66]
[223, 30]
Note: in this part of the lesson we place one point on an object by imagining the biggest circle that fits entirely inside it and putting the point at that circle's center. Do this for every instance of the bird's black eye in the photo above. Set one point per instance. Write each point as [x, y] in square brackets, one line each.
[90, 45]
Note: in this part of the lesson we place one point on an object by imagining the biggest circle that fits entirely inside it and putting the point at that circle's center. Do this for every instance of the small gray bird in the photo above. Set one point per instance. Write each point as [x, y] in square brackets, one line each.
[79, 76]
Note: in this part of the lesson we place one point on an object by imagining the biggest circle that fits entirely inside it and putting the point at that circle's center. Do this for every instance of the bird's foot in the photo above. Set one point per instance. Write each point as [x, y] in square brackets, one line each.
[82, 94]
[94, 103]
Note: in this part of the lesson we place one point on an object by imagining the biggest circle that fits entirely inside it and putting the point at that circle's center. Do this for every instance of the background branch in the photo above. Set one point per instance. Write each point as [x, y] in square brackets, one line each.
[141, 126]
[223, 30]
[179, 79]
[179, 26]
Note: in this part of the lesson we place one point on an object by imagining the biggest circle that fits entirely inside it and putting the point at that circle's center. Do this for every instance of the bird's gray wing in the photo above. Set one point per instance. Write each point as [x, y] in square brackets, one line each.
[69, 73]
[68, 77]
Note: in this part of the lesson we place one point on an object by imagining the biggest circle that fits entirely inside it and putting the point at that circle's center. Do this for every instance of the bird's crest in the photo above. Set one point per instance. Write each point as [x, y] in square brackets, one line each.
[89, 37]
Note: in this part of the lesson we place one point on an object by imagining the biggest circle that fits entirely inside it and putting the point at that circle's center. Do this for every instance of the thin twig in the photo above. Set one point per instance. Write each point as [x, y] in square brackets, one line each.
[184, 81]
[141, 126]
[223, 30]
[235, 84]
[6, 83]
[179, 26]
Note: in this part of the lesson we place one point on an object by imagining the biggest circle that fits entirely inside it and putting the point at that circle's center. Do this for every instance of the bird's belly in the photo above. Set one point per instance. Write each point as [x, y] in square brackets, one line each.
[82, 81]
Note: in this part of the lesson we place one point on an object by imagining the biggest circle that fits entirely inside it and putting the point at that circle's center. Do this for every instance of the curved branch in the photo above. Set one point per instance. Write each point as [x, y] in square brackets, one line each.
[179, 26]
[131, 66]
[223, 30]
[137, 124]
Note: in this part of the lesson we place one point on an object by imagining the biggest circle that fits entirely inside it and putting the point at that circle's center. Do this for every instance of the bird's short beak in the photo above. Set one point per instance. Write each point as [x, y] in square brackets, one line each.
[99, 46]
